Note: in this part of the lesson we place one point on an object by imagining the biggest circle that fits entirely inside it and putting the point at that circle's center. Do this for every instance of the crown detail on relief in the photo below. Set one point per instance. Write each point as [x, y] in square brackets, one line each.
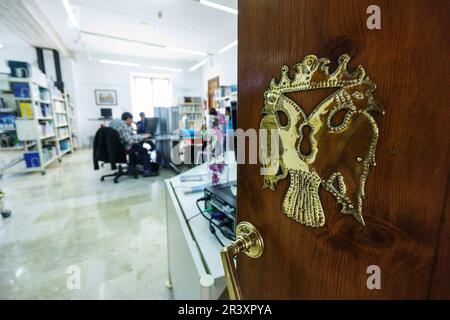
[312, 73]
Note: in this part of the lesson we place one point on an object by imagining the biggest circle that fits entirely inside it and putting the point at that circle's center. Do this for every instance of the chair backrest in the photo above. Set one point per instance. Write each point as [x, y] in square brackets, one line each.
[108, 147]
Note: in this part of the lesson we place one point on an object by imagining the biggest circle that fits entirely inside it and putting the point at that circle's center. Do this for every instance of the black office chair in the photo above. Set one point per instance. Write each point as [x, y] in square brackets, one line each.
[122, 170]
[109, 149]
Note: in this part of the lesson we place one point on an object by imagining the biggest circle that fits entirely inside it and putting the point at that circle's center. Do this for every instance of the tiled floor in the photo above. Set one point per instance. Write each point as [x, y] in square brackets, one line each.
[114, 235]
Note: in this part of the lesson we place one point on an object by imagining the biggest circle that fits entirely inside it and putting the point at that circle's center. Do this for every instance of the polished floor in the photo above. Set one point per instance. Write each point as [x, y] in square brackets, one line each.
[71, 236]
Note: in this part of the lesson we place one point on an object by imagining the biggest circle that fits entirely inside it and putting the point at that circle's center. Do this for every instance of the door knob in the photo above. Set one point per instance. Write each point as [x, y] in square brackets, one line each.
[249, 241]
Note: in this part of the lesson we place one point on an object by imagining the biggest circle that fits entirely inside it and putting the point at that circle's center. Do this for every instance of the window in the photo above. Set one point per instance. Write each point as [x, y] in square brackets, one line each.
[149, 91]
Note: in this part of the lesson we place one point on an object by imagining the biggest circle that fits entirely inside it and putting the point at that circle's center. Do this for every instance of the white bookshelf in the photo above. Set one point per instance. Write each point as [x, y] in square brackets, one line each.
[225, 101]
[71, 115]
[191, 108]
[7, 127]
[62, 124]
[35, 126]
[232, 97]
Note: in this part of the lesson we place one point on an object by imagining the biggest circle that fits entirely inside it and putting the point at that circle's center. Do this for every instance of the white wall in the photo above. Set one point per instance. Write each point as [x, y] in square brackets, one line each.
[91, 75]
[223, 65]
[14, 49]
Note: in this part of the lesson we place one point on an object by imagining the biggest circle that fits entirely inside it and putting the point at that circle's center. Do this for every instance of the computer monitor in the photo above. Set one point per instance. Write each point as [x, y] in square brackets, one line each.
[151, 125]
[106, 113]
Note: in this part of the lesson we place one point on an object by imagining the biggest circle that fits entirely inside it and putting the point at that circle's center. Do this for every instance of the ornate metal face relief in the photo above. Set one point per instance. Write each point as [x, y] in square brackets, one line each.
[340, 154]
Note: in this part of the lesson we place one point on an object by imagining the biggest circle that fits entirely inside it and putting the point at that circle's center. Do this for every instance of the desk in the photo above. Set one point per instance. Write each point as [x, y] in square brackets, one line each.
[104, 121]
[164, 145]
[195, 266]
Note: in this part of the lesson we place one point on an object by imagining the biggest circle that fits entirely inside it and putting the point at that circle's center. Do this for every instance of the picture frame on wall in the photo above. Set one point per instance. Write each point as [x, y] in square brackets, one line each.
[106, 97]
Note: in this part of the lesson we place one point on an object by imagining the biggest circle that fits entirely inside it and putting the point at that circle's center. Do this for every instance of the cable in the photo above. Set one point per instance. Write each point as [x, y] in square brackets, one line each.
[213, 231]
[212, 224]
[203, 213]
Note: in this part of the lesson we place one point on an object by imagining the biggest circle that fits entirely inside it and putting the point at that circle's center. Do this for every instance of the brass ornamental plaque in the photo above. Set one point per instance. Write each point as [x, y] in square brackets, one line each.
[343, 136]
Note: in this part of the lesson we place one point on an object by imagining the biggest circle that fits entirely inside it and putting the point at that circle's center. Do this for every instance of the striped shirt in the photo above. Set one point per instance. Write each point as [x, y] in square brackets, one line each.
[126, 135]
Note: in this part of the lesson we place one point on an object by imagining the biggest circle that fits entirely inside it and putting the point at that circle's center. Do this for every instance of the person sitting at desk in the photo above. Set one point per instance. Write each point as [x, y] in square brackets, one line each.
[141, 123]
[133, 142]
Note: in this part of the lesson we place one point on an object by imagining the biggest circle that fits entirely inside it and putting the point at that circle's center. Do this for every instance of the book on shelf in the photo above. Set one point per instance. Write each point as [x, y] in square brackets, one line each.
[21, 90]
[7, 122]
[26, 109]
[190, 100]
[32, 159]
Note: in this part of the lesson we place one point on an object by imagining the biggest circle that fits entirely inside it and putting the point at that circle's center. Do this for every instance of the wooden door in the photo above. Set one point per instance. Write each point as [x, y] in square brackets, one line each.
[213, 84]
[407, 232]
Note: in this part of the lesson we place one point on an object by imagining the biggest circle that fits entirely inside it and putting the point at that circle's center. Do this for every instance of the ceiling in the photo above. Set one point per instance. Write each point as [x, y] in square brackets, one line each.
[118, 27]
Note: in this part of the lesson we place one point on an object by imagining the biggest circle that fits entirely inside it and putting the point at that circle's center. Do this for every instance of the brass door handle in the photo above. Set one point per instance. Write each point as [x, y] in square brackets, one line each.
[249, 241]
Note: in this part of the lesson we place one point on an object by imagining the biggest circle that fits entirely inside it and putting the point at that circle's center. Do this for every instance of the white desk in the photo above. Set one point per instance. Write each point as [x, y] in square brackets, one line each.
[195, 267]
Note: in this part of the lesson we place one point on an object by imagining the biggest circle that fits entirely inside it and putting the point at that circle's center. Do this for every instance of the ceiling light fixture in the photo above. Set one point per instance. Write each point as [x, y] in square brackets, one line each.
[218, 6]
[120, 63]
[228, 47]
[147, 24]
[103, 35]
[199, 53]
[131, 64]
[198, 65]
[166, 69]
[69, 10]
[1, 45]
[95, 34]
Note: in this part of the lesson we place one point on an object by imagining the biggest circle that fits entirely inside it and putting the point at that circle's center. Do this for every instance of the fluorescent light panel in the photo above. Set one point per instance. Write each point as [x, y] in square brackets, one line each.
[228, 47]
[95, 34]
[166, 69]
[120, 63]
[131, 64]
[198, 65]
[69, 10]
[218, 6]
[199, 53]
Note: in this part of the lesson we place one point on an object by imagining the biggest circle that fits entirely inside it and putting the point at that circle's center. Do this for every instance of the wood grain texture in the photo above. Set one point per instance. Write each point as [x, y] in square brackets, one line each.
[405, 192]
[440, 281]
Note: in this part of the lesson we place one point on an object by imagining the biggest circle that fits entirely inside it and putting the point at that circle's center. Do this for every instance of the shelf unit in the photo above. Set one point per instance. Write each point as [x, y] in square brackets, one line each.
[192, 109]
[63, 126]
[8, 112]
[36, 125]
[71, 114]
[225, 101]
[231, 97]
